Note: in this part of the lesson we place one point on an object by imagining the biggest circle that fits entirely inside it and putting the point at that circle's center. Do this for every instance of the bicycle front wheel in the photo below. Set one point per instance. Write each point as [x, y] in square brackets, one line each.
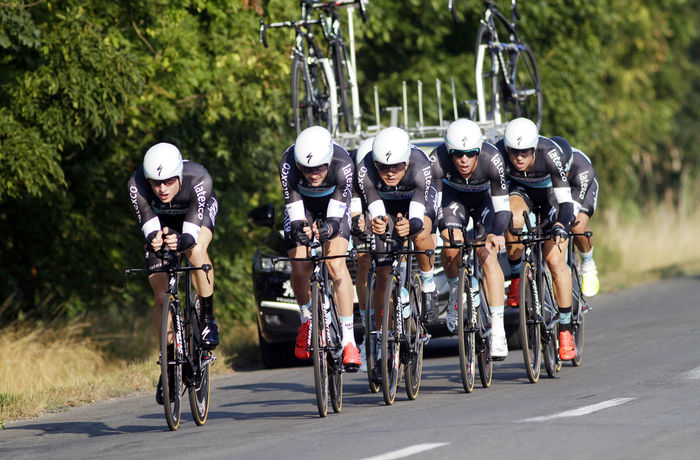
[413, 330]
[525, 99]
[335, 364]
[170, 367]
[550, 350]
[390, 361]
[577, 316]
[483, 321]
[318, 349]
[373, 370]
[529, 328]
[302, 102]
[199, 386]
[466, 332]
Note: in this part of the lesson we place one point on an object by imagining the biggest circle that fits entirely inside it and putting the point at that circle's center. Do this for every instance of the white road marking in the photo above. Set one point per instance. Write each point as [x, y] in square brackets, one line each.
[694, 374]
[408, 451]
[581, 410]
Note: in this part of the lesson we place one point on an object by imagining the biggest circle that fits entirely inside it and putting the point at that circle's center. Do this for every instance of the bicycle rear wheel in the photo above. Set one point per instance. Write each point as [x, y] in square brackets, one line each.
[302, 109]
[526, 100]
[373, 370]
[170, 370]
[342, 80]
[529, 328]
[413, 330]
[489, 80]
[335, 365]
[577, 316]
[200, 385]
[390, 362]
[483, 344]
[318, 349]
[466, 332]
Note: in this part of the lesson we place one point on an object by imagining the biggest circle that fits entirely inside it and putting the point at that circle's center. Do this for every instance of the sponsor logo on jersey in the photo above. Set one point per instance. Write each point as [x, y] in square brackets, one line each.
[133, 194]
[201, 199]
[556, 159]
[284, 179]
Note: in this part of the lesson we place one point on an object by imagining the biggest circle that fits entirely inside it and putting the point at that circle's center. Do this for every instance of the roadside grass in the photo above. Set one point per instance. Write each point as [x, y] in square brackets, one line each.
[54, 366]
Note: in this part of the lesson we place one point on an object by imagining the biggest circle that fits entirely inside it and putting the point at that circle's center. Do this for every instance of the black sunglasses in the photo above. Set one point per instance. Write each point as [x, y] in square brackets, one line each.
[312, 169]
[169, 181]
[471, 153]
[395, 168]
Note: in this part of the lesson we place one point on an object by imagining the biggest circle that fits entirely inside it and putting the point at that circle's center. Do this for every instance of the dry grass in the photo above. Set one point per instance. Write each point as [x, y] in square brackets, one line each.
[632, 247]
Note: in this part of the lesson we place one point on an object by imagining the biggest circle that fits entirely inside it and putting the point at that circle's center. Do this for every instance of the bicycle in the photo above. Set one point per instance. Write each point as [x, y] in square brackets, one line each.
[403, 336]
[507, 78]
[317, 82]
[189, 363]
[538, 309]
[579, 305]
[325, 346]
[473, 322]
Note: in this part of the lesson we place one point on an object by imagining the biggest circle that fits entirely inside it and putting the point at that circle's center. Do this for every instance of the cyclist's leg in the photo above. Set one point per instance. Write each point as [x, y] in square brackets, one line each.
[519, 202]
[422, 242]
[159, 284]
[589, 271]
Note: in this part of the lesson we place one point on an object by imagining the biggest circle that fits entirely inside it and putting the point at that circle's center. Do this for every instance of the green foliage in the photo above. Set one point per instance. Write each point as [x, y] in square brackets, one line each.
[87, 86]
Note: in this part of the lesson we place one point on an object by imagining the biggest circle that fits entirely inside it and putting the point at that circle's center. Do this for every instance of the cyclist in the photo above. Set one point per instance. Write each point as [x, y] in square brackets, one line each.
[176, 207]
[464, 170]
[360, 236]
[584, 192]
[316, 176]
[536, 169]
[395, 183]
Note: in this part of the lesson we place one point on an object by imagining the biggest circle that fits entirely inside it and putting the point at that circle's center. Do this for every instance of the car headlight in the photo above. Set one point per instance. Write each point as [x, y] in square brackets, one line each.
[265, 264]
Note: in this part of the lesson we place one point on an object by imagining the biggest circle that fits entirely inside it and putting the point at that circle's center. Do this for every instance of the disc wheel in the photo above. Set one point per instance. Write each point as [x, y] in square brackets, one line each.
[529, 327]
[170, 367]
[318, 347]
[390, 362]
[373, 370]
[466, 332]
[200, 386]
[413, 331]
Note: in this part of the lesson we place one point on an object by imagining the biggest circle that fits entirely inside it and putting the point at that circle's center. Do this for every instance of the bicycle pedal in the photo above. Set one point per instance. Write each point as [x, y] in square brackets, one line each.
[351, 368]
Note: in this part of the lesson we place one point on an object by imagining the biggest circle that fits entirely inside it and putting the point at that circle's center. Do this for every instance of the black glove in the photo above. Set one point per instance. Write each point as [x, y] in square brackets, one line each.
[324, 231]
[559, 231]
[355, 229]
[300, 236]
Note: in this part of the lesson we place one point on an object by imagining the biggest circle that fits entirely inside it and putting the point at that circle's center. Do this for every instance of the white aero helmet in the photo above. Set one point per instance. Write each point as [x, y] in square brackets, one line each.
[364, 148]
[521, 134]
[162, 161]
[463, 135]
[391, 146]
[313, 147]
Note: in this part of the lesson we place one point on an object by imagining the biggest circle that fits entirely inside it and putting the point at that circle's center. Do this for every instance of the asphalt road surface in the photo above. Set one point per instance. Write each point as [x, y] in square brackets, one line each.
[636, 395]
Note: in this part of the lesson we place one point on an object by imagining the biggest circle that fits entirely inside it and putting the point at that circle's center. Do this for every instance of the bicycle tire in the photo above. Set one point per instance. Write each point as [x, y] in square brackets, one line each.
[550, 350]
[490, 77]
[528, 100]
[484, 345]
[200, 387]
[577, 316]
[413, 331]
[466, 332]
[529, 328]
[320, 89]
[318, 327]
[171, 403]
[302, 110]
[335, 365]
[390, 342]
[371, 337]
[343, 84]
[458, 10]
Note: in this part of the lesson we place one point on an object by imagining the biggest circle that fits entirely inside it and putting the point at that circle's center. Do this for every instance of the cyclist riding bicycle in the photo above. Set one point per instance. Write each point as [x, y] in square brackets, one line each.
[396, 186]
[360, 235]
[316, 176]
[536, 169]
[176, 207]
[465, 169]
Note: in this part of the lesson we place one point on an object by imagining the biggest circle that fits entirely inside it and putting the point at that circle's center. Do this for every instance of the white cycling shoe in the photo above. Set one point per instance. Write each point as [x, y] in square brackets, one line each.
[451, 318]
[499, 346]
[589, 274]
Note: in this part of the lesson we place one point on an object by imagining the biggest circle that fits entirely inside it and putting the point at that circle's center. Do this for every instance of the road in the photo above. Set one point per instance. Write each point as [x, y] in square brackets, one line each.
[637, 395]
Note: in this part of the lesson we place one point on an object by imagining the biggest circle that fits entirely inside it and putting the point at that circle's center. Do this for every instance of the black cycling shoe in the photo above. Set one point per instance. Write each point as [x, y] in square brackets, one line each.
[430, 308]
[210, 333]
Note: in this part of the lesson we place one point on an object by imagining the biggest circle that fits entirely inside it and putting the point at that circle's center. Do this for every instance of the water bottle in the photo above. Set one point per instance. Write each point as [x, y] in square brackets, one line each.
[405, 302]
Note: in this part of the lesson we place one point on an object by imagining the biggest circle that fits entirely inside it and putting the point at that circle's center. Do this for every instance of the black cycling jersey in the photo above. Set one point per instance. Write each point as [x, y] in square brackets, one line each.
[547, 172]
[192, 207]
[412, 193]
[473, 192]
[584, 183]
[329, 201]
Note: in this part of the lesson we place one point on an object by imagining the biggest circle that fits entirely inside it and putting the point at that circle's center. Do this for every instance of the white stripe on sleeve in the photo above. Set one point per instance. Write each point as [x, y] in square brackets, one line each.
[563, 194]
[296, 211]
[376, 209]
[336, 208]
[191, 229]
[152, 225]
[500, 203]
[416, 210]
